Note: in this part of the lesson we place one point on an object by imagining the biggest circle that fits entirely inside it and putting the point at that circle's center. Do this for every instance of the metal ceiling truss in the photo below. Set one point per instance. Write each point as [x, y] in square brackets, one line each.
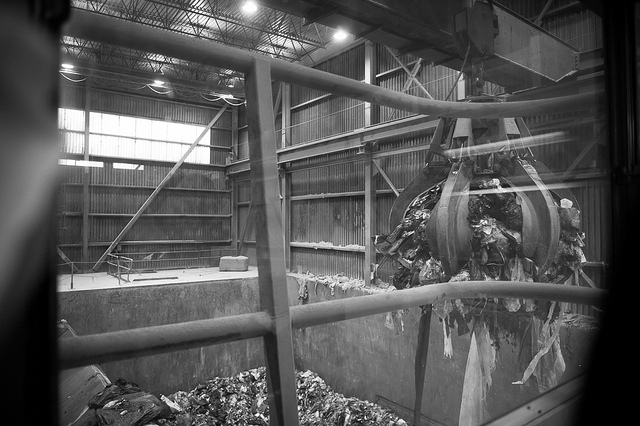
[267, 32]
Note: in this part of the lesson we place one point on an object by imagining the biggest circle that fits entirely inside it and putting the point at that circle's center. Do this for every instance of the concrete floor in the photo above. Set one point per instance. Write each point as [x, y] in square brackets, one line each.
[95, 280]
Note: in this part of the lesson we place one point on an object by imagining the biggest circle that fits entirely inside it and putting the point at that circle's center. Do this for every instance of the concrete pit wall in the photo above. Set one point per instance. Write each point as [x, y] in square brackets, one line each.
[103, 310]
[363, 357]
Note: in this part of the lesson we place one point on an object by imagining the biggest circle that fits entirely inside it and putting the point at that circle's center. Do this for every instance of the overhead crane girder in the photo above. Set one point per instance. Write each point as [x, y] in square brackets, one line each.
[516, 53]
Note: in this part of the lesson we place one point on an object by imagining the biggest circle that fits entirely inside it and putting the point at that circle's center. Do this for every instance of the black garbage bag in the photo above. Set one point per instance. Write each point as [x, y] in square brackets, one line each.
[133, 409]
[111, 392]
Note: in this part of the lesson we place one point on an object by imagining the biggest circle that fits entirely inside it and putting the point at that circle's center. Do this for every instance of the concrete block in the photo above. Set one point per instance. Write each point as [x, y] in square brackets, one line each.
[234, 263]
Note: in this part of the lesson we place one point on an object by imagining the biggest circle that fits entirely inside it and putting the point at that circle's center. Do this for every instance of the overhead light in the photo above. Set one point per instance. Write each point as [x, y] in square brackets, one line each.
[158, 83]
[226, 96]
[249, 7]
[66, 66]
[340, 35]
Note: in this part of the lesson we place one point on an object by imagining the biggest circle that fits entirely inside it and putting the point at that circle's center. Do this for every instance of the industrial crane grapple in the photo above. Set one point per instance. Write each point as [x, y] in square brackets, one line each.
[478, 170]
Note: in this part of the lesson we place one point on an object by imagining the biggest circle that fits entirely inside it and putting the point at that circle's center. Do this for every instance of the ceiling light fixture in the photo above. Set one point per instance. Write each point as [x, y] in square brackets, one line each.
[158, 83]
[66, 66]
[249, 7]
[340, 35]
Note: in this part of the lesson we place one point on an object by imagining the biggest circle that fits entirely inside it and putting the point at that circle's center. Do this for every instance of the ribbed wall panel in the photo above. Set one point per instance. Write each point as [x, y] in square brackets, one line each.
[327, 262]
[221, 137]
[72, 96]
[69, 231]
[105, 229]
[580, 28]
[250, 232]
[118, 103]
[326, 116]
[122, 192]
[243, 144]
[128, 200]
[243, 190]
[337, 178]
[152, 175]
[339, 221]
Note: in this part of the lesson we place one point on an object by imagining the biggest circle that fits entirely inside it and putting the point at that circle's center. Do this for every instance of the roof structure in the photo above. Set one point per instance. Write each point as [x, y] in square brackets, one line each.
[265, 31]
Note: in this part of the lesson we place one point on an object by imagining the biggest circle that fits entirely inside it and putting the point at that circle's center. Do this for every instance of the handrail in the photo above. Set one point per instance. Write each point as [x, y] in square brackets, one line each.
[118, 264]
[126, 344]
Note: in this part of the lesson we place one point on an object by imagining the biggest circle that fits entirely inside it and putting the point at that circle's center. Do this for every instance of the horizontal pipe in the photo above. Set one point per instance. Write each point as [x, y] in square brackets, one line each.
[125, 344]
[356, 307]
[110, 30]
[120, 345]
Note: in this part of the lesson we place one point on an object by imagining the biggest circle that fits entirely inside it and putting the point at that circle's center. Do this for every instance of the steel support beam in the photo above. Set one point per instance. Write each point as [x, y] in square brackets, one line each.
[272, 279]
[286, 115]
[411, 74]
[118, 32]
[369, 218]
[407, 84]
[125, 344]
[385, 177]
[86, 177]
[66, 260]
[369, 78]
[156, 191]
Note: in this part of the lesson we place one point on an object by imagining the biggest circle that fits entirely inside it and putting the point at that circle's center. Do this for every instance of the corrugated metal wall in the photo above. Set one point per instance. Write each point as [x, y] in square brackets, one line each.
[316, 115]
[188, 224]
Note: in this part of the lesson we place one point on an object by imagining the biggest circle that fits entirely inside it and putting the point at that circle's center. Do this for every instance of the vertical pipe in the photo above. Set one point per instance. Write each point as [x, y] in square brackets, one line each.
[369, 217]
[286, 216]
[286, 115]
[278, 346]
[86, 177]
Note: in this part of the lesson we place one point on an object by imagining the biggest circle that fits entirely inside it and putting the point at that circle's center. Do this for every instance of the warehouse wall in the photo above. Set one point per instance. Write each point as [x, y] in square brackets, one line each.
[188, 224]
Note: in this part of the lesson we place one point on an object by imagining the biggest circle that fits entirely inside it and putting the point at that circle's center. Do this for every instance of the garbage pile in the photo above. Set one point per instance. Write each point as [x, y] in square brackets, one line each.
[240, 400]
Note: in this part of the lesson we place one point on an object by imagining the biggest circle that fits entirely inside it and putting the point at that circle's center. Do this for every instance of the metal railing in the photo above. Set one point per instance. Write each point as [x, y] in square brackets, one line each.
[120, 263]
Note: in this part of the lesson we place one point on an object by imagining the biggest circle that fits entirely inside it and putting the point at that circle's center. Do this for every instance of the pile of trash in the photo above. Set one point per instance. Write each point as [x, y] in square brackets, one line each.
[240, 400]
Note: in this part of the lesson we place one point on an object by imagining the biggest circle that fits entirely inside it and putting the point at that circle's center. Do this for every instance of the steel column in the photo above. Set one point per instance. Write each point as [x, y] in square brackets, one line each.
[369, 78]
[369, 217]
[286, 115]
[86, 177]
[272, 279]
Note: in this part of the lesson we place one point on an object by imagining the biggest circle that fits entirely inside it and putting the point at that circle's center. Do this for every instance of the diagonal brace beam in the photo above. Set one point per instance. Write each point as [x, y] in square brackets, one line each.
[385, 177]
[156, 191]
[409, 73]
